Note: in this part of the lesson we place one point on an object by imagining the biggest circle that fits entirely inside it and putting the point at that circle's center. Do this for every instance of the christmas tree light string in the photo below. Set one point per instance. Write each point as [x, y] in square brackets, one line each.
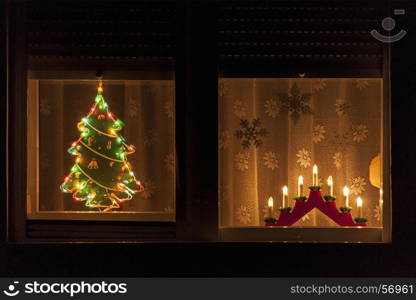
[100, 179]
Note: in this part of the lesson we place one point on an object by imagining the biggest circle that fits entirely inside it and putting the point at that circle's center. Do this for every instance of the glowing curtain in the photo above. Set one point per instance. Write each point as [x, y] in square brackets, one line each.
[288, 126]
[147, 109]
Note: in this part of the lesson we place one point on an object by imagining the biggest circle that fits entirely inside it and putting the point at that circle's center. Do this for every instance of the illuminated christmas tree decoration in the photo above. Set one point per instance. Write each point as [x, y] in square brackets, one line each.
[101, 175]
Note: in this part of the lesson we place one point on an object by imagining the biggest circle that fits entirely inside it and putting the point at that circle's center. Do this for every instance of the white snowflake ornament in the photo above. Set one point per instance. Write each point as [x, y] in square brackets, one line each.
[318, 133]
[359, 133]
[304, 158]
[241, 160]
[270, 160]
[357, 186]
[243, 214]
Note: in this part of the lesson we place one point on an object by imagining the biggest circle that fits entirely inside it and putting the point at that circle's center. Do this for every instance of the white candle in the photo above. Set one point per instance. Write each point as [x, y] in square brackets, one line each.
[285, 193]
[270, 204]
[300, 186]
[315, 181]
[331, 185]
[360, 205]
[346, 195]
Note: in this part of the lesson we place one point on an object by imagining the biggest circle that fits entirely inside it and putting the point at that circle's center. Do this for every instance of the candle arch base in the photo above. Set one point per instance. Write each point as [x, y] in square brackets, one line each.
[315, 200]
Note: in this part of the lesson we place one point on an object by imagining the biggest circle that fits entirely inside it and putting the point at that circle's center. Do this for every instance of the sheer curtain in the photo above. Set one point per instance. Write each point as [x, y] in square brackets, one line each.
[273, 130]
[147, 109]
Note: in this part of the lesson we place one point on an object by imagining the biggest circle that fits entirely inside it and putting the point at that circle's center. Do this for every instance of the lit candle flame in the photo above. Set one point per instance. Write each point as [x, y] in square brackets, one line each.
[346, 191]
[330, 182]
[359, 202]
[270, 202]
[285, 190]
[331, 185]
[315, 180]
[300, 186]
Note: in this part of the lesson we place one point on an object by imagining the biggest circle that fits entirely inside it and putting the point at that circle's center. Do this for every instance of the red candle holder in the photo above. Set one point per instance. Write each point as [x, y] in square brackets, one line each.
[315, 200]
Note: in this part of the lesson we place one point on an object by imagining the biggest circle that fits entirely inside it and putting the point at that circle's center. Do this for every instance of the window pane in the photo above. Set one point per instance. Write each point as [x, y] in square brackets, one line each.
[274, 130]
[145, 107]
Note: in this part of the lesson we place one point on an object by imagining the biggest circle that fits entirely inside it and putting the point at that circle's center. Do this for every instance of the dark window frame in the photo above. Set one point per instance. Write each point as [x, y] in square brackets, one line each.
[22, 230]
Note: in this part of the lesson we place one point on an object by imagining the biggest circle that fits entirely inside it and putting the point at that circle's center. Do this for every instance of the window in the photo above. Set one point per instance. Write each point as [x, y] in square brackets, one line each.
[60, 111]
[275, 130]
[303, 88]
[60, 49]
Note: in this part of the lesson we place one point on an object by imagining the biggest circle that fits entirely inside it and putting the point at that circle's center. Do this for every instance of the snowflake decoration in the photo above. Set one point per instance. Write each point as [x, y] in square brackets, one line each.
[243, 214]
[361, 84]
[223, 139]
[170, 162]
[270, 160]
[294, 103]
[359, 133]
[250, 133]
[378, 212]
[266, 212]
[223, 87]
[169, 109]
[272, 109]
[318, 133]
[239, 109]
[149, 189]
[318, 85]
[132, 108]
[337, 159]
[44, 107]
[357, 185]
[341, 107]
[241, 160]
[150, 137]
[304, 158]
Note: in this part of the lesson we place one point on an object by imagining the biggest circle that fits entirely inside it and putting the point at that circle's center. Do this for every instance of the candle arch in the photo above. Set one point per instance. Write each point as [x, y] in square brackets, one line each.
[303, 205]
